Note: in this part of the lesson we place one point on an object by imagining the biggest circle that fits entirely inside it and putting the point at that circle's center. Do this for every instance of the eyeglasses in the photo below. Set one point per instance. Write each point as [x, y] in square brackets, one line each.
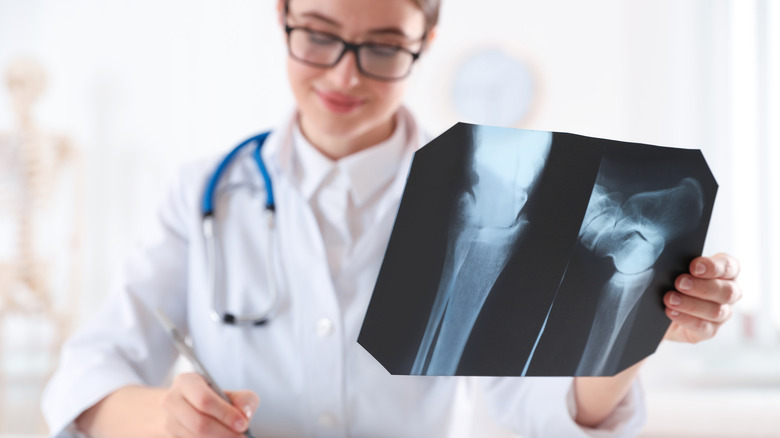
[385, 62]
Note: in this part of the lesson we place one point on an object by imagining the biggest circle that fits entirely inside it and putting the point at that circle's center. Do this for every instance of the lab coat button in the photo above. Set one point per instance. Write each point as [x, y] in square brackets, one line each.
[324, 327]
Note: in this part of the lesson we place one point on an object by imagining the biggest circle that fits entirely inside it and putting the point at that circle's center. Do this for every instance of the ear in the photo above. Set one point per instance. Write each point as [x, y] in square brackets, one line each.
[429, 37]
[281, 9]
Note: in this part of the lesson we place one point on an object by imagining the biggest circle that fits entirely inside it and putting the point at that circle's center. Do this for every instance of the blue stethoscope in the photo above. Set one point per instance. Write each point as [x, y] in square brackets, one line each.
[212, 243]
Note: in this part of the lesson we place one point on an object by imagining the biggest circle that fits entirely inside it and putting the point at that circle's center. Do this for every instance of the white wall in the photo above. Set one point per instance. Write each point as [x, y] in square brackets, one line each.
[144, 85]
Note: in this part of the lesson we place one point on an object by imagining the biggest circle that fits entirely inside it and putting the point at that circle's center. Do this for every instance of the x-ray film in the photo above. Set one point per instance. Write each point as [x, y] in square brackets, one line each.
[534, 253]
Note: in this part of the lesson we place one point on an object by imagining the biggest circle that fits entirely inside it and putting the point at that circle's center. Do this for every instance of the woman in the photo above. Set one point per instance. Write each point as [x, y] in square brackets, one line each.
[338, 166]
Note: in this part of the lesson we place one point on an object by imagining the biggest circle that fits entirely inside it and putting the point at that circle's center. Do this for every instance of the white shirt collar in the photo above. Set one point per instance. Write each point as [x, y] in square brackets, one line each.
[366, 171]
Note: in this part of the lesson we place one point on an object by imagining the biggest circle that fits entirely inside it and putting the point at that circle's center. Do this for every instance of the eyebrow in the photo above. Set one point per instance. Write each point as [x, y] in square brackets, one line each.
[320, 17]
[389, 31]
[381, 31]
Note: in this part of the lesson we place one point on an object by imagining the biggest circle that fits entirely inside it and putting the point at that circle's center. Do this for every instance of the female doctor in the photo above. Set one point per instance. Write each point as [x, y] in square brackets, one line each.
[338, 166]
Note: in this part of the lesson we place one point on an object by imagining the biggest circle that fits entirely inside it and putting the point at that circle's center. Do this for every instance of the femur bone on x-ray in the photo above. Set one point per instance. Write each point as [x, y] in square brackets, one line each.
[519, 252]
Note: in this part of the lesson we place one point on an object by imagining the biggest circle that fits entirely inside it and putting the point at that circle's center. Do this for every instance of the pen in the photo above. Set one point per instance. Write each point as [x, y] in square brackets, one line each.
[187, 352]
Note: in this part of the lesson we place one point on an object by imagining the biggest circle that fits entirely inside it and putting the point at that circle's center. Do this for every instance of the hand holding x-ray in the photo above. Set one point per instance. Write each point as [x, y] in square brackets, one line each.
[703, 298]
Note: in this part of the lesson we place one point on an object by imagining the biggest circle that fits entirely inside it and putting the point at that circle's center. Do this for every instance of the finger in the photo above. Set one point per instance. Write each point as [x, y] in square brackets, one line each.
[715, 290]
[209, 427]
[246, 401]
[205, 400]
[175, 428]
[703, 309]
[718, 266]
[172, 424]
[695, 329]
[186, 421]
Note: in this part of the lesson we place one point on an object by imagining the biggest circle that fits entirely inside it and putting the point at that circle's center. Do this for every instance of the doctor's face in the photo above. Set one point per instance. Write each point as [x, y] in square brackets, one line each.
[339, 104]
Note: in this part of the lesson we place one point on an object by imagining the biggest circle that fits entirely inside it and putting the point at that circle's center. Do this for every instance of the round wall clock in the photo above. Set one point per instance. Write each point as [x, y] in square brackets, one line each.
[493, 87]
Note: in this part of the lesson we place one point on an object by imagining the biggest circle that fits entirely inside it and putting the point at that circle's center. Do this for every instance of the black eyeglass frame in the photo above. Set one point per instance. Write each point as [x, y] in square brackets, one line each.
[351, 47]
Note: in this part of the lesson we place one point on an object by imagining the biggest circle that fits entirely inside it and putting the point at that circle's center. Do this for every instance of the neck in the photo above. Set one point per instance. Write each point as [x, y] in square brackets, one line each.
[336, 146]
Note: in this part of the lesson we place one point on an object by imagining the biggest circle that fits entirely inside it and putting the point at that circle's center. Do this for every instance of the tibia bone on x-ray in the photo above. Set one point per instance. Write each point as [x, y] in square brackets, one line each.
[489, 220]
[632, 233]
[526, 253]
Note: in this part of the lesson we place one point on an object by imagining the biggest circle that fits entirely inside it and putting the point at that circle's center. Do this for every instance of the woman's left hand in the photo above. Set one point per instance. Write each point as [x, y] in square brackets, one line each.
[703, 299]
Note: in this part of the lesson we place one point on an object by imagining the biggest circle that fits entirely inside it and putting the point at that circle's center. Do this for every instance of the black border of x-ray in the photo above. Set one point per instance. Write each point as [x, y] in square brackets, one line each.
[394, 324]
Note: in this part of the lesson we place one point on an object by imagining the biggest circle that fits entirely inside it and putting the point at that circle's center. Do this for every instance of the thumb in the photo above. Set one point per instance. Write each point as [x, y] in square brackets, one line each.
[245, 400]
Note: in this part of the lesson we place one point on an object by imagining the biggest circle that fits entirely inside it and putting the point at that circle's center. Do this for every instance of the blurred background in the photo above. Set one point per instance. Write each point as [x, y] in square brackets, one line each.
[101, 101]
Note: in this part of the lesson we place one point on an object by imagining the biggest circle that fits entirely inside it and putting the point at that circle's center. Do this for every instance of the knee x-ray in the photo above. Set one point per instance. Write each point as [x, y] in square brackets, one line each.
[519, 252]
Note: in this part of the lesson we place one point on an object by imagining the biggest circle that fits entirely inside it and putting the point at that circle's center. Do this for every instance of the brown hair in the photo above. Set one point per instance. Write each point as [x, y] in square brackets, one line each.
[430, 9]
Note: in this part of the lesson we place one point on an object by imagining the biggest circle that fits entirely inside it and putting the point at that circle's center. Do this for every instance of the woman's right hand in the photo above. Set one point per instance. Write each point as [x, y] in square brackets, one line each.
[189, 408]
[194, 409]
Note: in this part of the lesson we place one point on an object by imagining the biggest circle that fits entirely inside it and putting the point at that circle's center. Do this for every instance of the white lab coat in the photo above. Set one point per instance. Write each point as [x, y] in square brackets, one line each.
[312, 377]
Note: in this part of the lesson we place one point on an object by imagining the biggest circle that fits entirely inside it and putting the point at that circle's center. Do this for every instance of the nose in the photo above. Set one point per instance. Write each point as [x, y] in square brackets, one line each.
[345, 74]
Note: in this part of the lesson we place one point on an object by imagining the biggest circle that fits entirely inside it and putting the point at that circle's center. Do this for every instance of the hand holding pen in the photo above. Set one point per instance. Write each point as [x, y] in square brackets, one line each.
[198, 407]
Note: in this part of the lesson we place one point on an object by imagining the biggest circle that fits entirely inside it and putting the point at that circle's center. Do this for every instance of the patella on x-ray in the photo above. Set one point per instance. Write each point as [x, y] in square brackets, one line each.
[519, 252]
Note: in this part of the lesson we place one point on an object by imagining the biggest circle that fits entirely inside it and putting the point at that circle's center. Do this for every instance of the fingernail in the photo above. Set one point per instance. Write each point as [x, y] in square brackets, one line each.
[686, 283]
[240, 425]
[699, 269]
[674, 312]
[674, 299]
[248, 411]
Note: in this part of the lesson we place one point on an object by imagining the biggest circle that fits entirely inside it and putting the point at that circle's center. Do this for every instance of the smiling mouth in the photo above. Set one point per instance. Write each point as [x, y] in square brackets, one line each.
[339, 103]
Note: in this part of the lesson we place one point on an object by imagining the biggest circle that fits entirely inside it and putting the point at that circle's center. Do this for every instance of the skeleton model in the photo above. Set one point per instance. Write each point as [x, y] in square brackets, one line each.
[32, 168]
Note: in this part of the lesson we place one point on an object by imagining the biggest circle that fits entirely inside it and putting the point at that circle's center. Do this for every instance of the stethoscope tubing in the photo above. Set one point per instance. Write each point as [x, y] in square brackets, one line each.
[212, 241]
[207, 203]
